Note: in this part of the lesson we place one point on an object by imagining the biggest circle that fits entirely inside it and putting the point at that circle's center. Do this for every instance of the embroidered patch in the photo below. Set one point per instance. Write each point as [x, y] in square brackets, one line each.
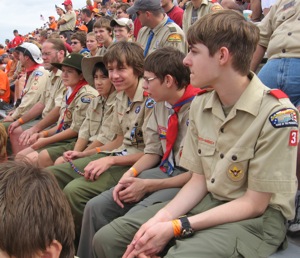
[235, 172]
[284, 118]
[38, 73]
[162, 132]
[86, 99]
[294, 138]
[175, 37]
[138, 109]
[216, 7]
[150, 103]
[288, 5]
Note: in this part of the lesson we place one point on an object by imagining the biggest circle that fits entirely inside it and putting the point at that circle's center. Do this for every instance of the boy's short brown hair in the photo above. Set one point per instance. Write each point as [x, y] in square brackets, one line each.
[126, 52]
[34, 212]
[168, 61]
[227, 28]
[103, 22]
[81, 37]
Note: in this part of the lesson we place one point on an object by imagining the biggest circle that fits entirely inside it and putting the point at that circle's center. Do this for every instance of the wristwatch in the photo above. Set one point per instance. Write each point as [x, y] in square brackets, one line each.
[186, 229]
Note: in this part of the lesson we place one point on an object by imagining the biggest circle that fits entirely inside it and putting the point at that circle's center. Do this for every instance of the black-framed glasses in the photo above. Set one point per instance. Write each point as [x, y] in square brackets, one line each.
[147, 80]
[74, 42]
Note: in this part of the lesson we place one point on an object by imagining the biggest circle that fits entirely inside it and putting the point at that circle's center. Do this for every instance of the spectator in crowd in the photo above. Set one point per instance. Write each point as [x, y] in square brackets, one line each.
[123, 29]
[104, 34]
[67, 21]
[78, 43]
[42, 37]
[4, 89]
[32, 204]
[86, 17]
[103, 167]
[94, 131]
[92, 43]
[233, 199]
[75, 101]
[151, 179]
[63, 37]
[17, 39]
[122, 11]
[52, 23]
[174, 12]
[159, 30]
[36, 77]
[48, 106]
[279, 37]
[8, 44]
[2, 50]
[195, 9]
[5, 59]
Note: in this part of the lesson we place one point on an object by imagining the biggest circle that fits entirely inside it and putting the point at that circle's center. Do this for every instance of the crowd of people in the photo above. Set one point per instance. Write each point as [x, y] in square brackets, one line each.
[152, 128]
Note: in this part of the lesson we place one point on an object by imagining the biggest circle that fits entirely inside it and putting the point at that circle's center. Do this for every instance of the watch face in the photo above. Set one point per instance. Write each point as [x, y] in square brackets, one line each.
[187, 232]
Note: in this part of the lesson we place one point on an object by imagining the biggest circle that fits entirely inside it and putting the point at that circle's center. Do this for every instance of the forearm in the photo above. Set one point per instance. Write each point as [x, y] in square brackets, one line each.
[48, 120]
[127, 160]
[64, 135]
[251, 205]
[80, 144]
[154, 185]
[94, 144]
[147, 161]
[34, 112]
[257, 57]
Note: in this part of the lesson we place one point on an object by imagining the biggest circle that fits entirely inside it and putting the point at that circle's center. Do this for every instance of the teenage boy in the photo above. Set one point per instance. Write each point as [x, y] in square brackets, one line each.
[166, 80]
[102, 170]
[123, 29]
[239, 196]
[104, 35]
[31, 203]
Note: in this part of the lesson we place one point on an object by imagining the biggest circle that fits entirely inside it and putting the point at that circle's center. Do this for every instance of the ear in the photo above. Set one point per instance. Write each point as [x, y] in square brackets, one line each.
[224, 55]
[169, 80]
[53, 251]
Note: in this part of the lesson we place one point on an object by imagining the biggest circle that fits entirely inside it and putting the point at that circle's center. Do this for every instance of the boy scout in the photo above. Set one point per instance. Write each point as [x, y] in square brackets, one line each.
[195, 9]
[159, 30]
[124, 62]
[239, 195]
[36, 78]
[72, 112]
[95, 127]
[166, 79]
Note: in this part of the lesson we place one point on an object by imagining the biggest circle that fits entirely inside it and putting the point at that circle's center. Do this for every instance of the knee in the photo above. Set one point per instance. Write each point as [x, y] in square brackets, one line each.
[44, 159]
[59, 160]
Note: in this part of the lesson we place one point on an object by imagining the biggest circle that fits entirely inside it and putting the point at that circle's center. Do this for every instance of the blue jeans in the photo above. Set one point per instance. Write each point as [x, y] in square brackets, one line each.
[283, 74]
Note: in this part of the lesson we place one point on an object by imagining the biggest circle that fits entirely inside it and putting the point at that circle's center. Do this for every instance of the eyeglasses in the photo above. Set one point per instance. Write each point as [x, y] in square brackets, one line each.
[119, 12]
[147, 80]
[74, 42]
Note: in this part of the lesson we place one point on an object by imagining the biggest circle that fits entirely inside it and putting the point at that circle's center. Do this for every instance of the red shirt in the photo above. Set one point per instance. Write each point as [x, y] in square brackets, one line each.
[176, 14]
[16, 41]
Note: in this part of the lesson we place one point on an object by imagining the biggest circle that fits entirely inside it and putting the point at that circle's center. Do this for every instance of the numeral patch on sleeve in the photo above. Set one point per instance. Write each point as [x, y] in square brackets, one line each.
[293, 141]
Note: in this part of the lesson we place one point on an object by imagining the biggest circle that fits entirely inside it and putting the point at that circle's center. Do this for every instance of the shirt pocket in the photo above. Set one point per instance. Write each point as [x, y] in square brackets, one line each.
[285, 15]
[206, 152]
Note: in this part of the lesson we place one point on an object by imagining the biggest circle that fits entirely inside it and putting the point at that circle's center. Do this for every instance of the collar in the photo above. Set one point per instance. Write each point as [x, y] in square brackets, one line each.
[250, 100]
[160, 25]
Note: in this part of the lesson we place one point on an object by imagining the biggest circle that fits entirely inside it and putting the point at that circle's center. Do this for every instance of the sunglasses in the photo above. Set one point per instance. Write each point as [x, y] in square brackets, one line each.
[74, 42]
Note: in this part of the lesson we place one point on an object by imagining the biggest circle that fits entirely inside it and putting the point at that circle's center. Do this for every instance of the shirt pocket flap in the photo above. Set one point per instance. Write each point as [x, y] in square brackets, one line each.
[205, 150]
[240, 154]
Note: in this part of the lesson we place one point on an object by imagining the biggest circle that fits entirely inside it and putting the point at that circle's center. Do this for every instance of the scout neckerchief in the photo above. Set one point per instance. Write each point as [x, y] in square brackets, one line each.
[151, 35]
[28, 73]
[69, 101]
[167, 163]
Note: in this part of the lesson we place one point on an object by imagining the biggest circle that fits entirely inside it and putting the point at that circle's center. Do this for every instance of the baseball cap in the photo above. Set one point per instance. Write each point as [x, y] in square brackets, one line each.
[67, 2]
[82, 28]
[122, 22]
[60, 7]
[32, 50]
[144, 5]
[51, 17]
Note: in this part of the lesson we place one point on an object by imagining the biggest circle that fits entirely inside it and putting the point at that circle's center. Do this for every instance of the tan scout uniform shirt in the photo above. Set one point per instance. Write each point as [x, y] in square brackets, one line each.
[206, 7]
[101, 51]
[250, 148]
[70, 18]
[98, 112]
[130, 120]
[165, 34]
[157, 126]
[76, 112]
[35, 86]
[280, 30]
[52, 96]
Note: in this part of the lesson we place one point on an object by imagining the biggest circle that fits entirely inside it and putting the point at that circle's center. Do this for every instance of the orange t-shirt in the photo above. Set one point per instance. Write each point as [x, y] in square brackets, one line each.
[4, 85]
[53, 25]
[8, 66]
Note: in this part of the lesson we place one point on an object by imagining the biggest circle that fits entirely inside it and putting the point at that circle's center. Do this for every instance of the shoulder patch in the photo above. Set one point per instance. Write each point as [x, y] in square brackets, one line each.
[175, 37]
[278, 94]
[150, 102]
[286, 117]
[216, 7]
[38, 73]
[86, 99]
[172, 28]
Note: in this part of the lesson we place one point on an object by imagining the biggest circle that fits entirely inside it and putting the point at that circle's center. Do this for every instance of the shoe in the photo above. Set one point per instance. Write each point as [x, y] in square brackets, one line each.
[294, 225]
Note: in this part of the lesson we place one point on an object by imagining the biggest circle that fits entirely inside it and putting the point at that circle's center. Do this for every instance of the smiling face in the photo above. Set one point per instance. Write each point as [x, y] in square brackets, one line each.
[91, 43]
[122, 77]
[121, 33]
[103, 35]
[70, 76]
